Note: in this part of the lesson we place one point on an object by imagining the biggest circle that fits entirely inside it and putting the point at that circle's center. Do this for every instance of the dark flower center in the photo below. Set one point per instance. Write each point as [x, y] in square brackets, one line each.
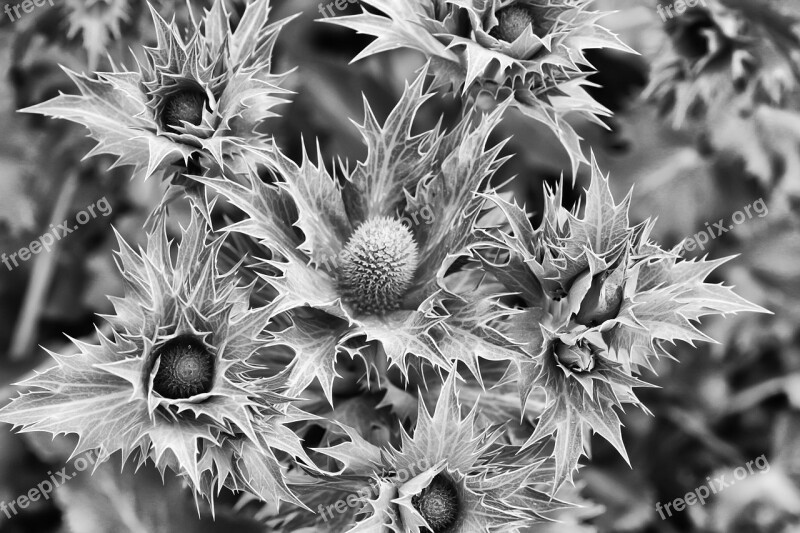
[186, 368]
[512, 22]
[184, 106]
[577, 358]
[438, 504]
[377, 265]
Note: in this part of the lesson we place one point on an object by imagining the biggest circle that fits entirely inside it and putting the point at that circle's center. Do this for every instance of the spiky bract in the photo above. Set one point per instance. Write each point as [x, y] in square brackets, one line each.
[220, 79]
[174, 382]
[601, 302]
[448, 477]
[528, 51]
[410, 187]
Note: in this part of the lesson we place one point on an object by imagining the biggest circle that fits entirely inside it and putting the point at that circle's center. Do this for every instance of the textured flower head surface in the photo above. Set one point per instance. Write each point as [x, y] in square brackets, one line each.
[369, 263]
[531, 51]
[600, 302]
[195, 101]
[448, 477]
[174, 382]
[724, 50]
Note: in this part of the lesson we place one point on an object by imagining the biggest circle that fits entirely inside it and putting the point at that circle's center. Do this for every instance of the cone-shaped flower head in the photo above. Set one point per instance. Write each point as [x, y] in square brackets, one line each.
[449, 477]
[726, 50]
[373, 252]
[175, 381]
[201, 97]
[600, 303]
[529, 51]
[378, 265]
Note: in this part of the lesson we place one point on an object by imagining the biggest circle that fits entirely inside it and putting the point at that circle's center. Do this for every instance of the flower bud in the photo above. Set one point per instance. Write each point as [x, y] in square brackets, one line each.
[577, 358]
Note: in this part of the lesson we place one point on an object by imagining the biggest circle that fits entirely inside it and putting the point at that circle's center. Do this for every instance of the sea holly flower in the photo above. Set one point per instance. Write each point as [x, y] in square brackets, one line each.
[367, 270]
[449, 476]
[725, 50]
[174, 381]
[528, 51]
[600, 302]
[194, 102]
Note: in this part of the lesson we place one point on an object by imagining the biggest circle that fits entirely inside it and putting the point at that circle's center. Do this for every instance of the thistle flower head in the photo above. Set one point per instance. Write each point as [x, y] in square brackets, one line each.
[201, 96]
[174, 383]
[449, 477]
[185, 368]
[183, 108]
[378, 265]
[728, 50]
[373, 252]
[512, 21]
[530, 52]
[438, 504]
[601, 302]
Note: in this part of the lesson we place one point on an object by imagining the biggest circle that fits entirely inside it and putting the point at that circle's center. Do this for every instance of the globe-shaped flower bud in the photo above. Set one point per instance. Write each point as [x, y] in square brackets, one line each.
[186, 368]
[512, 22]
[378, 265]
[578, 358]
[438, 504]
[184, 106]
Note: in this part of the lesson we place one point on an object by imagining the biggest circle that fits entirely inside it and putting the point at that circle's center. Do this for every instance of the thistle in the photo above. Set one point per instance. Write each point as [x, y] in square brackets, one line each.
[378, 265]
[175, 381]
[448, 477]
[372, 251]
[728, 50]
[601, 302]
[195, 101]
[530, 52]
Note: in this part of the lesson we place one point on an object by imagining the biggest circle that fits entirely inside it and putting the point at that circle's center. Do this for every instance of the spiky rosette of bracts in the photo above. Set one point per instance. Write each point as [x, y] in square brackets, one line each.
[726, 50]
[364, 269]
[195, 102]
[174, 383]
[600, 303]
[529, 51]
[450, 476]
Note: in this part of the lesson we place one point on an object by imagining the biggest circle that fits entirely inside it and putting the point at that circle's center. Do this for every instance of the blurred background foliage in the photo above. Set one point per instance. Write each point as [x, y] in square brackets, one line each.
[723, 405]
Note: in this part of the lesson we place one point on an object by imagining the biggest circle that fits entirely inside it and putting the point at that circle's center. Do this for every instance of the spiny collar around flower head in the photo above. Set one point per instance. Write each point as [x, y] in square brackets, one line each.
[177, 72]
[372, 249]
[203, 95]
[175, 384]
[449, 477]
[527, 52]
